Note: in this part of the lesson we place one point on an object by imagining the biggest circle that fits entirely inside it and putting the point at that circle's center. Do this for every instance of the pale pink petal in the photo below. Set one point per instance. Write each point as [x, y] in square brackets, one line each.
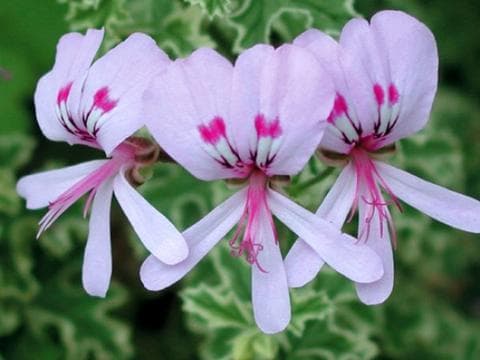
[97, 260]
[364, 64]
[154, 230]
[201, 238]
[452, 208]
[411, 52]
[327, 51]
[343, 253]
[121, 76]
[270, 299]
[302, 263]
[75, 53]
[245, 101]
[42, 188]
[396, 51]
[379, 240]
[286, 84]
[191, 93]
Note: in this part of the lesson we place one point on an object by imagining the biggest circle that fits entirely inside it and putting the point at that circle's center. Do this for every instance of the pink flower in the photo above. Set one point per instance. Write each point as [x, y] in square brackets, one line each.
[385, 75]
[254, 121]
[99, 105]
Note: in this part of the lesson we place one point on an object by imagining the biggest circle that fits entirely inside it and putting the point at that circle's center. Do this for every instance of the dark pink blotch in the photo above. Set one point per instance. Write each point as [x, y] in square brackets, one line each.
[339, 108]
[379, 94]
[267, 129]
[102, 101]
[212, 132]
[393, 94]
[63, 93]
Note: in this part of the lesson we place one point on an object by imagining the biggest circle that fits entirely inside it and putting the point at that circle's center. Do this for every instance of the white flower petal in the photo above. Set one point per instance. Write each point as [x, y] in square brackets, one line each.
[156, 232]
[201, 238]
[192, 92]
[302, 262]
[378, 240]
[452, 208]
[75, 53]
[97, 261]
[126, 71]
[42, 188]
[270, 299]
[342, 252]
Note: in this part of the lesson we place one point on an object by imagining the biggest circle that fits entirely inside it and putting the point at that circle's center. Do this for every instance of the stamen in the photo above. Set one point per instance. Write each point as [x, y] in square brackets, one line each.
[251, 219]
[368, 189]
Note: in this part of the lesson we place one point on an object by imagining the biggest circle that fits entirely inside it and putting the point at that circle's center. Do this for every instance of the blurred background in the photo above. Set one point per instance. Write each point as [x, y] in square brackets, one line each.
[434, 311]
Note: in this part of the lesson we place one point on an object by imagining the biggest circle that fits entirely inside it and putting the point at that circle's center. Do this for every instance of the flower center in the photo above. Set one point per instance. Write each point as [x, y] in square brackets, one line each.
[256, 211]
[254, 168]
[87, 127]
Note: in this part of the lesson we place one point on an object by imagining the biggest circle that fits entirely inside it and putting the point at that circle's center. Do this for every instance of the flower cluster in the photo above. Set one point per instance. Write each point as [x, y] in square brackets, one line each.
[255, 121]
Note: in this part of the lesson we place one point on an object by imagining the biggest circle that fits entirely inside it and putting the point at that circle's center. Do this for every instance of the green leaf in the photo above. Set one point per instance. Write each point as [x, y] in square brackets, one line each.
[176, 28]
[80, 323]
[213, 7]
[9, 201]
[15, 150]
[255, 21]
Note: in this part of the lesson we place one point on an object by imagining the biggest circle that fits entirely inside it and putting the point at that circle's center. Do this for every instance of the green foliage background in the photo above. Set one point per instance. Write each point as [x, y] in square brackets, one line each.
[434, 311]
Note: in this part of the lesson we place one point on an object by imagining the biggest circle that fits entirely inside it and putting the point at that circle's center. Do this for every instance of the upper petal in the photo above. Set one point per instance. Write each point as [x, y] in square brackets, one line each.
[413, 64]
[270, 299]
[33, 187]
[302, 263]
[97, 260]
[201, 238]
[287, 85]
[75, 53]
[327, 52]
[115, 85]
[449, 207]
[156, 232]
[342, 252]
[191, 93]
[392, 61]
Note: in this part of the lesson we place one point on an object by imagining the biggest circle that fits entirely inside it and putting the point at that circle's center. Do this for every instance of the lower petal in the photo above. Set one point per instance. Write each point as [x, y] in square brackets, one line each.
[452, 208]
[201, 238]
[342, 252]
[271, 302]
[379, 240]
[97, 261]
[302, 262]
[156, 232]
[32, 187]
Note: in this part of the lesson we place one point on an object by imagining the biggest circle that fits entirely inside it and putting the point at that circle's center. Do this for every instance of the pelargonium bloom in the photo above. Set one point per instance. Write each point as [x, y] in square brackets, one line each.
[385, 75]
[100, 105]
[255, 121]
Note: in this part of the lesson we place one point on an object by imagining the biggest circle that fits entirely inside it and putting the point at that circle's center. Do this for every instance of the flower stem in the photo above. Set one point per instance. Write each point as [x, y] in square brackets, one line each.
[298, 188]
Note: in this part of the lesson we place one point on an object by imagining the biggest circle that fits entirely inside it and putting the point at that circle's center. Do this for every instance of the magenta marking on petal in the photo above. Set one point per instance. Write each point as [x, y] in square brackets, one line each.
[339, 108]
[393, 94]
[379, 94]
[63, 93]
[102, 100]
[214, 131]
[266, 128]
